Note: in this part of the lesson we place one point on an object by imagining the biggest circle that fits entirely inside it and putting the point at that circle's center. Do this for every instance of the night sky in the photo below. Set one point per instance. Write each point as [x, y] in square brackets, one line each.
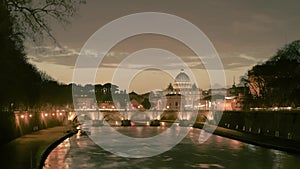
[244, 33]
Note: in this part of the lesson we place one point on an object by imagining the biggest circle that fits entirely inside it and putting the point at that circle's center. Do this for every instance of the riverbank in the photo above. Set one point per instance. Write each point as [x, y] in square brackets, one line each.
[256, 139]
[28, 151]
[15, 124]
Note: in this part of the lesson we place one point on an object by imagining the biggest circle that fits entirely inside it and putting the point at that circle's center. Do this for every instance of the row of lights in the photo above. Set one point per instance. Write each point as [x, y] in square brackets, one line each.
[289, 135]
[147, 123]
[53, 114]
[112, 107]
[46, 115]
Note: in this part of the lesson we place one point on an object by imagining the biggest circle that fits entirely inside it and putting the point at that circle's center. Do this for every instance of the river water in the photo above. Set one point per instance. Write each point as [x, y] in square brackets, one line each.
[80, 152]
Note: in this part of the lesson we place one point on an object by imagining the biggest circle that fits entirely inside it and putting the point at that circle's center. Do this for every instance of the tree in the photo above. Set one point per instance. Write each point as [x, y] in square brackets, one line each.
[276, 82]
[32, 18]
[146, 103]
[21, 19]
[170, 87]
[20, 80]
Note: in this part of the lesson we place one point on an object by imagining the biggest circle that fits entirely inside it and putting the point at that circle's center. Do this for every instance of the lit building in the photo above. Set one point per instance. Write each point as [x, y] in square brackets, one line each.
[174, 102]
[85, 103]
[182, 95]
[182, 82]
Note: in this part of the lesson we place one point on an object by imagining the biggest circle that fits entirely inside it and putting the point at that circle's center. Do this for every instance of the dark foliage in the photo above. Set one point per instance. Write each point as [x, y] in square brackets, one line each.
[277, 81]
[22, 85]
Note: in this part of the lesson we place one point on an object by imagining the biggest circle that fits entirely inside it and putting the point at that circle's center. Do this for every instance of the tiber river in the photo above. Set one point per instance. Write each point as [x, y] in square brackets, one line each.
[80, 152]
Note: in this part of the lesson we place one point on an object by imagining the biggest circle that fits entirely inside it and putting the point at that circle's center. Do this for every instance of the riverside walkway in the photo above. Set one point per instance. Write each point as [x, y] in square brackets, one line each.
[26, 152]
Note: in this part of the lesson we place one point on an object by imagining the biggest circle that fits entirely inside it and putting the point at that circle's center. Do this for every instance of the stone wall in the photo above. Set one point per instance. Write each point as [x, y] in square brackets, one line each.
[282, 124]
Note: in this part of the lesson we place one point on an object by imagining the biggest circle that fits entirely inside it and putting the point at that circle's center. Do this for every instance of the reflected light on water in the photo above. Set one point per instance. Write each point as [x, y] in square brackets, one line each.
[203, 136]
[211, 166]
[236, 145]
[278, 157]
[78, 135]
[216, 152]
[56, 158]
[219, 139]
[252, 147]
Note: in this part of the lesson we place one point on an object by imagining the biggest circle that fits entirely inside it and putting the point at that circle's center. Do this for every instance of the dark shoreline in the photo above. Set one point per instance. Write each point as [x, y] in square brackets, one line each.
[256, 139]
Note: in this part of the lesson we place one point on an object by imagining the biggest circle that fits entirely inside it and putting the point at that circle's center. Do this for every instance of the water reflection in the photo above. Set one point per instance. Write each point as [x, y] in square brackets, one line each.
[216, 152]
[57, 157]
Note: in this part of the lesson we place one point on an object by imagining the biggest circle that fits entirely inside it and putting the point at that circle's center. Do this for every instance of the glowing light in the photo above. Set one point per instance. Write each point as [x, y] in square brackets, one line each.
[78, 135]
[30, 115]
[46, 114]
[60, 114]
[53, 114]
[188, 117]
[148, 123]
[163, 123]
[235, 142]
[117, 123]
[22, 116]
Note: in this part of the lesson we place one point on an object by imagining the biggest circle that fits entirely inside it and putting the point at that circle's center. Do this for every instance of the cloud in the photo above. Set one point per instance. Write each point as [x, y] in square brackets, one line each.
[247, 57]
[67, 56]
[235, 64]
[50, 54]
[240, 60]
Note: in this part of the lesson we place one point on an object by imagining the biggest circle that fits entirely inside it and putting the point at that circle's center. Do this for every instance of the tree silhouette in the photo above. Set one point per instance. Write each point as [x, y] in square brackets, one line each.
[146, 103]
[276, 82]
[22, 85]
[32, 18]
[19, 79]
[170, 87]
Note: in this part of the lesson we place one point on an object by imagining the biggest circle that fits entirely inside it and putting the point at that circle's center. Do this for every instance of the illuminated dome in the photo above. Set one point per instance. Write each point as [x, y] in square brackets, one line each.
[182, 77]
[182, 81]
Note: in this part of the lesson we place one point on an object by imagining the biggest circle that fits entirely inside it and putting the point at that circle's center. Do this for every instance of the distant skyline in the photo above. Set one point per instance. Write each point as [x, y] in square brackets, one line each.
[244, 33]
